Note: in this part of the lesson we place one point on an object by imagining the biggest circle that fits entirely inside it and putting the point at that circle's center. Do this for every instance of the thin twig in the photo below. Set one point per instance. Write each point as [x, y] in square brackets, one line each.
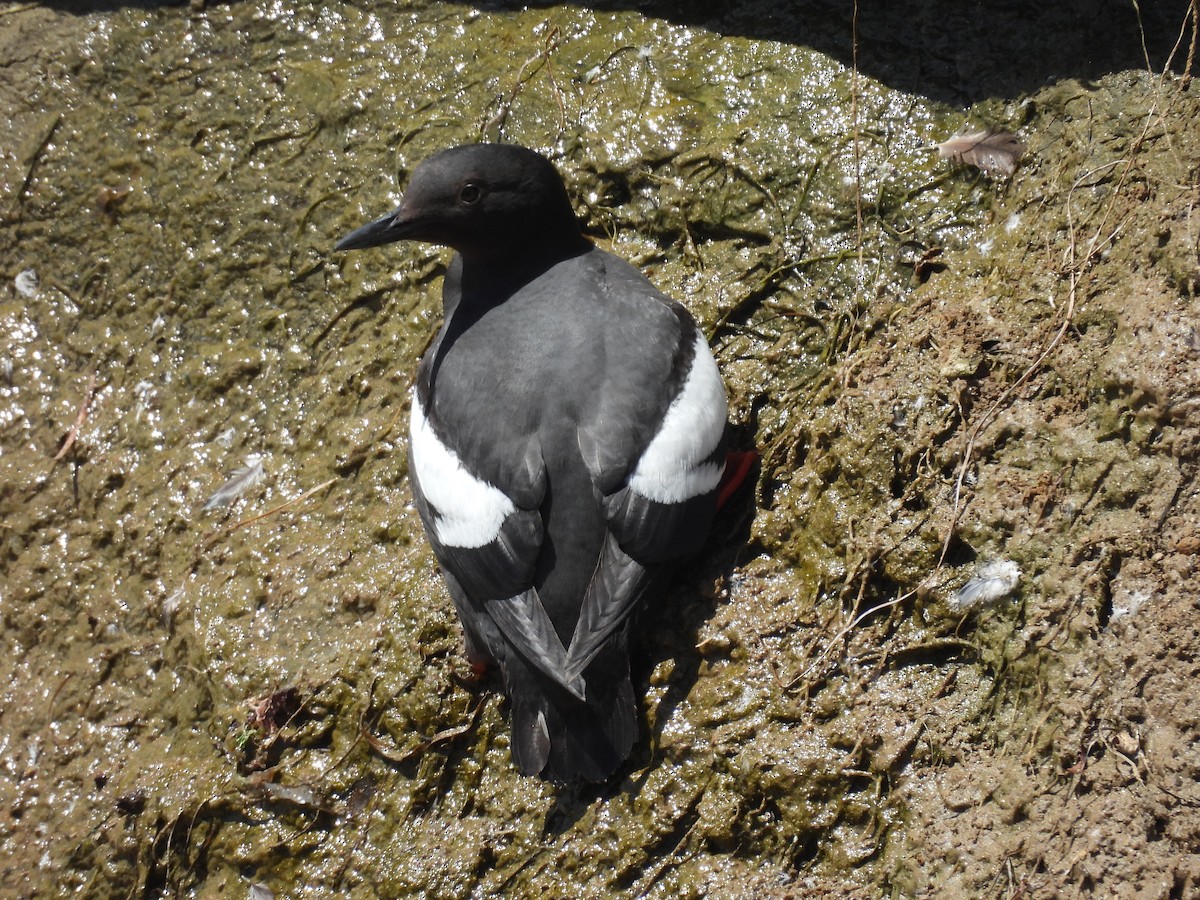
[33, 161]
[1191, 58]
[270, 512]
[84, 407]
[531, 67]
[858, 200]
[17, 9]
[441, 737]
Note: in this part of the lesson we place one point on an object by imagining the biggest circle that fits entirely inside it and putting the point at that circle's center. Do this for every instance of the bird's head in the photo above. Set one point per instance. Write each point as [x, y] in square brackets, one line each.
[487, 201]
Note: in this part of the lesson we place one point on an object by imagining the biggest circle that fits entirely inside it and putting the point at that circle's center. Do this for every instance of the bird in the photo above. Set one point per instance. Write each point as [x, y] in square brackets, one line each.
[567, 442]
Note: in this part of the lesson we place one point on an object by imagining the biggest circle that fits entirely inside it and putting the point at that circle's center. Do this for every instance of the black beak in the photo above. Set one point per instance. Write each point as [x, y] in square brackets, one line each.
[384, 230]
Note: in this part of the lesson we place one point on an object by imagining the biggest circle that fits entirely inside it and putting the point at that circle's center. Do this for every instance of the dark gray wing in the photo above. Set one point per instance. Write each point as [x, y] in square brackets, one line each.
[664, 509]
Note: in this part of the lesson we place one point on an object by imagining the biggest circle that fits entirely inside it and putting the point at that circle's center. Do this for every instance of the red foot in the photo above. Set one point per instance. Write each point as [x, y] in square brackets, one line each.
[475, 675]
[737, 466]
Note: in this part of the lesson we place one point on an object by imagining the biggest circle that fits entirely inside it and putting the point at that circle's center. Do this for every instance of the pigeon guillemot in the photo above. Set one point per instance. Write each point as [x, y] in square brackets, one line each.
[567, 443]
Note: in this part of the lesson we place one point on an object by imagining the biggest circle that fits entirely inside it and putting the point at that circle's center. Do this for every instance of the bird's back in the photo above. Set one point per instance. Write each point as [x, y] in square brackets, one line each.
[587, 348]
[554, 395]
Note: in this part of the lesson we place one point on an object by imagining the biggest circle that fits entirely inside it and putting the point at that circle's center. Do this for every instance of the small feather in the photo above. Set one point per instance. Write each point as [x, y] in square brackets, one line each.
[240, 481]
[299, 795]
[26, 283]
[992, 582]
[171, 605]
[992, 152]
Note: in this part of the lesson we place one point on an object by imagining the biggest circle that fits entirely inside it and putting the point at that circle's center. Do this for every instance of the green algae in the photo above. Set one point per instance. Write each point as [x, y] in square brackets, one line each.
[801, 669]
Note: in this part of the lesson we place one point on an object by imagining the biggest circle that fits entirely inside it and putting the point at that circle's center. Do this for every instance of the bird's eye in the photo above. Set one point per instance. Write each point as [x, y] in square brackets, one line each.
[469, 193]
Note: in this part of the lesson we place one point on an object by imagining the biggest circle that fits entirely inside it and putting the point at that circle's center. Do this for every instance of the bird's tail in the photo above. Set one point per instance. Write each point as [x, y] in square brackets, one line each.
[562, 738]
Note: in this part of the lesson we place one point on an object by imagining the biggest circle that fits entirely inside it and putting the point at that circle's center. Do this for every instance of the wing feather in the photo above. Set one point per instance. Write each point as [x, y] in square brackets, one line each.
[663, 511]
[525, 623]
[620, 581]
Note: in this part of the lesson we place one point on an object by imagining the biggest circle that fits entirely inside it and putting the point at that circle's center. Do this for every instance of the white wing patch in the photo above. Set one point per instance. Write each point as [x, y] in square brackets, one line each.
[673, 468]
[469, 510]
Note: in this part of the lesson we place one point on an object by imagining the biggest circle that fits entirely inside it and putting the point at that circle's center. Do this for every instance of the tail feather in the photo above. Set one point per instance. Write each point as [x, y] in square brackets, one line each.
[563, 739]
[530, 736]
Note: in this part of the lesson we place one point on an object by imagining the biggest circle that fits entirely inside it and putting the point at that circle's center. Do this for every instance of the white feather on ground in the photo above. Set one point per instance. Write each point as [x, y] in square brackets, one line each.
[240, 481]
[995, 153]
[994, 581]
